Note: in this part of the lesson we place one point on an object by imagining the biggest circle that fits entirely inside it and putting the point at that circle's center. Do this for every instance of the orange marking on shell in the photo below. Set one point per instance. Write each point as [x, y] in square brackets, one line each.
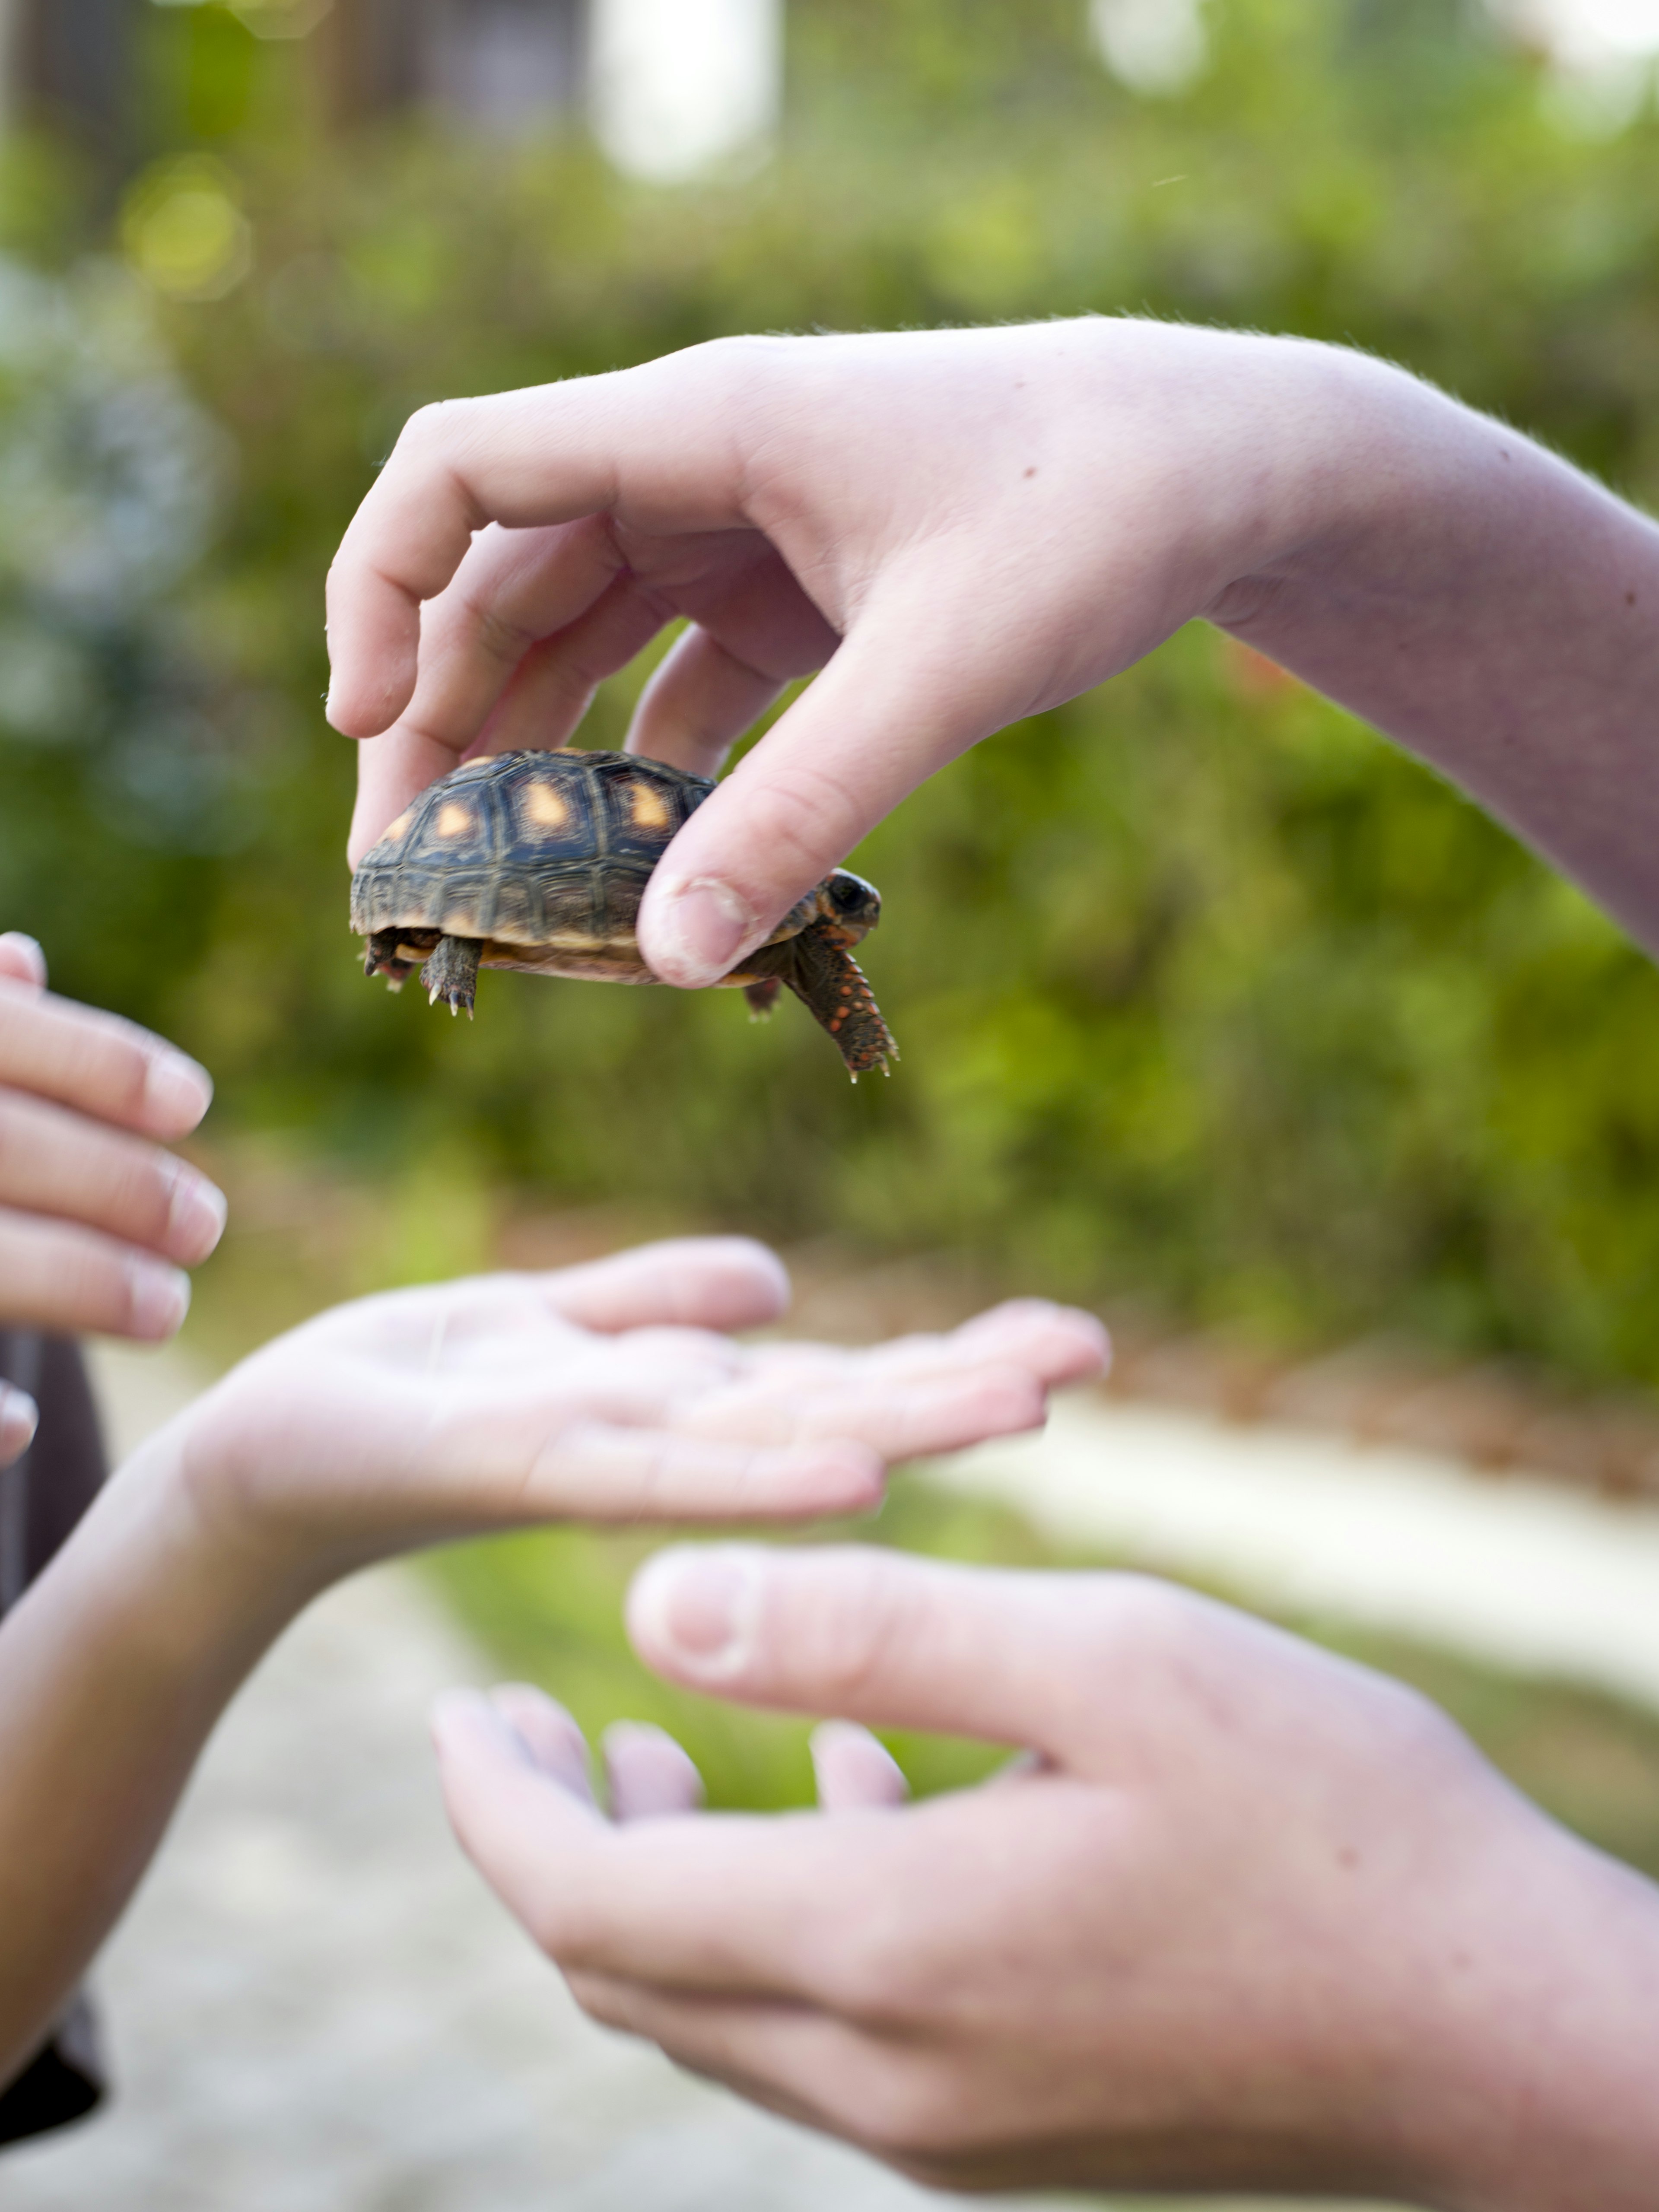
[453, 821]
[648, 806]
[544, 808]
[396, 828]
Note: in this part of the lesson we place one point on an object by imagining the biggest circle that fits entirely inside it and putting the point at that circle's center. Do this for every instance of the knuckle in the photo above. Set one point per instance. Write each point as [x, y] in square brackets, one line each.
[94, 1284]
[857, 1627]
[791, 811]
[495, 633]
[1144, 1618]
[429, 426]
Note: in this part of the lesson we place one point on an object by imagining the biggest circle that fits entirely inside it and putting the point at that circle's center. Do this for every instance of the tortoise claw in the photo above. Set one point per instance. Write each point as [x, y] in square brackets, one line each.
[451, 973]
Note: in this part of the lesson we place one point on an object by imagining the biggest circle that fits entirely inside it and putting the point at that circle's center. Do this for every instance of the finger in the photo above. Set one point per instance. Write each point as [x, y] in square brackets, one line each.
[873, 1636]
[1062, 1344]
[655, 440]
[22, 960]
[901, 696]
[19, 1419]
[853, 1770]
[55, 1163]
[514, 589]
[97, 1064]
[57, 1276]
[703, 1282]
[510, 655]
[555, 685]
[700, 700]
[720, 1901]
[651, 1777]
[899, 1419]
[791, 2059]
[596, 1472]
[549, 1735]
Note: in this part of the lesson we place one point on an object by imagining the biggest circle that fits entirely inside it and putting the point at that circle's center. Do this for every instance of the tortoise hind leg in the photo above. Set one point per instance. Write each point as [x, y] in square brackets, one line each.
[762, 997]
[451, 973]
[827, 980]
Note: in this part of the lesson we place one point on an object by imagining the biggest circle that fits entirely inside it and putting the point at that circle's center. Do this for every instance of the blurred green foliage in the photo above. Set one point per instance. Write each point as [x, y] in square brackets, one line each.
[1205, 994]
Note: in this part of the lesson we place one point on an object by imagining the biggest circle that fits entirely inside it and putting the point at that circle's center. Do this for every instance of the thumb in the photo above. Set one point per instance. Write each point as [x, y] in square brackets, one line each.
[870, 1635]
[903, 695]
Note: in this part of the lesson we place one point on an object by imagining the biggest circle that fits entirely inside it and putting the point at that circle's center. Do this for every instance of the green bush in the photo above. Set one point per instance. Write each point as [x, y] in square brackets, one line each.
[1204, 994]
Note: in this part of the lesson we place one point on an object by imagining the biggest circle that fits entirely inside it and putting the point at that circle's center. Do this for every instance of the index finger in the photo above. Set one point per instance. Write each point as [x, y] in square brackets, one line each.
[654, 439]
[724, 1901]
[699, 1282]
[105, 1066]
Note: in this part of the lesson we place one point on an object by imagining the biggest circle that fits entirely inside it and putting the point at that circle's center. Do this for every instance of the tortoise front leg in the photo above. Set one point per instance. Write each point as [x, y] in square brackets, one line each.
[382, 957]
[824, 977]
[451, 973]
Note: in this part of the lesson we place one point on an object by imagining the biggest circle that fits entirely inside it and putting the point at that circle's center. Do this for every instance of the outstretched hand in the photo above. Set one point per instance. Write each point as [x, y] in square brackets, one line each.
[1245, 1916]
[609, 1392]
[612, 1391]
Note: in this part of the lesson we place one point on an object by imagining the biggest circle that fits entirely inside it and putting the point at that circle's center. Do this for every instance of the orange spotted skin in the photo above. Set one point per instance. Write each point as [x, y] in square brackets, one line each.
[537, 860]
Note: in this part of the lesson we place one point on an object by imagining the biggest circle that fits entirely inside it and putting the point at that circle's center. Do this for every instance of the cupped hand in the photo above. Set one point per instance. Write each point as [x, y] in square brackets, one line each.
[1245, 1916]
[609, 1392]
[957, 527]
[97, 1219]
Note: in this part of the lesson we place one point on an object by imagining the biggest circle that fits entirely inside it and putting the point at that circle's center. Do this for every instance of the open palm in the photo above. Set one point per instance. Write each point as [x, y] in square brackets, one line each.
[611, 1391]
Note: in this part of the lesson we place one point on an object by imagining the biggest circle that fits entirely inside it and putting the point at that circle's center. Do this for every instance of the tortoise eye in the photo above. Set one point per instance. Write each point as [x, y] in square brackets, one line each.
[852, 898]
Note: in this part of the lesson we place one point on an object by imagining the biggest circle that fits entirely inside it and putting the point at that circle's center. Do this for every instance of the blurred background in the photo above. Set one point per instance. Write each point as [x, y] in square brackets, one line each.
[1208, 1000]
[1217, 1012]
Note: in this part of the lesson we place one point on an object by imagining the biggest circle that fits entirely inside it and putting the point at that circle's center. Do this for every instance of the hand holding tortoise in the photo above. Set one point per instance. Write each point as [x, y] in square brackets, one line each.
[959, 528]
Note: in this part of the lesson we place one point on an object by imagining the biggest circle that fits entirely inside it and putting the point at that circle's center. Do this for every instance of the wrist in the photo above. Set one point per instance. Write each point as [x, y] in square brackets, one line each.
[196, 1588]
[1545, 2053]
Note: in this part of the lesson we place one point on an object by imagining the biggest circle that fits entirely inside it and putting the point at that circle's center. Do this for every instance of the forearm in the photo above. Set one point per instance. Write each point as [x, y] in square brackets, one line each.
[114, 1670]
[1486, 605]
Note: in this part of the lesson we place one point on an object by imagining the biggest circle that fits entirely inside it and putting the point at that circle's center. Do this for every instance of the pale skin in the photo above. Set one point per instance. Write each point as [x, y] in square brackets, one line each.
[614, 1391]
[1245, 1917]
[958, 529]
[98, 1219]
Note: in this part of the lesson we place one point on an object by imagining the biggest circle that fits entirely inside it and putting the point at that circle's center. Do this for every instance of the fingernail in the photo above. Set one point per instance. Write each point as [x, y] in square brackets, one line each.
[20, 1417]
[159, 1299]
[469, 1713]
[196, 1217]
[700, 1609]
[700, 932]
[19, 941]
[177, 1091]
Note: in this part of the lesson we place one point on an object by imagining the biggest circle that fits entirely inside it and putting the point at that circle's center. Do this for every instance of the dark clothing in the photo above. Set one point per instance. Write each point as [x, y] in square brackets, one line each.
[42, 1496]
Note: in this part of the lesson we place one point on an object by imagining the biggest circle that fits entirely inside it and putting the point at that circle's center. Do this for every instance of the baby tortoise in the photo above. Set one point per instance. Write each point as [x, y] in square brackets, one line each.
[538, 860]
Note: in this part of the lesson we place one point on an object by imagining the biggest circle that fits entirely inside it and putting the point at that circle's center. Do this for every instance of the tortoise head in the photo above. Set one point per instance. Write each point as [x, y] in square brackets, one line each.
[851, 904]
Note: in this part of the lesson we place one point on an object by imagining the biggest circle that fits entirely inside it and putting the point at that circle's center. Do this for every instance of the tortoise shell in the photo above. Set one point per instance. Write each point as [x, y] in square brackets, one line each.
[545, 856]
[538, 860]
